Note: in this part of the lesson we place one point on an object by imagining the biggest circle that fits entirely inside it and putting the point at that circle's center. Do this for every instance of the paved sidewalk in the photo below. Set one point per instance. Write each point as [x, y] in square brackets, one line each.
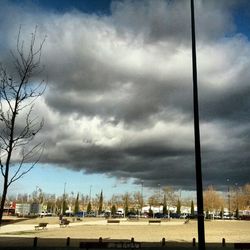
[9, 228]
[31, 227]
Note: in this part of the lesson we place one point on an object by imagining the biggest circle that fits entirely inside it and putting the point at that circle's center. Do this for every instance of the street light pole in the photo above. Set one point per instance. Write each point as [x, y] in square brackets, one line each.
[237, 202]
[229, 200]
[142, 194]
[228, 195]
[90, 193]
[64, 199]
[199, 188]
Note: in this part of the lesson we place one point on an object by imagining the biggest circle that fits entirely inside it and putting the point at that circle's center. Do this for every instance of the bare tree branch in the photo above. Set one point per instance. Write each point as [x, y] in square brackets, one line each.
[26, 157]
[2, 168]
[17, 96]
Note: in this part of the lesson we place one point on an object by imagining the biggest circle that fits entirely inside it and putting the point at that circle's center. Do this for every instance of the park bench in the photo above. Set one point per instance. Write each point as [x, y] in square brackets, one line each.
[242, 246]
[41, 225]
[154, 221]
[64, 223]
[113, 221]
[90, 244]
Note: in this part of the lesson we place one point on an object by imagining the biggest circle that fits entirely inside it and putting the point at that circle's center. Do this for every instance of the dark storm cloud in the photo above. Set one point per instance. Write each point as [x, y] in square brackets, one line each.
[157, 20]
[119, 97]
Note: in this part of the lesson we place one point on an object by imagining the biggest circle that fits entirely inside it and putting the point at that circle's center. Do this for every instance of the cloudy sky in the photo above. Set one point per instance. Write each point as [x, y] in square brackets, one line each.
[118, 105]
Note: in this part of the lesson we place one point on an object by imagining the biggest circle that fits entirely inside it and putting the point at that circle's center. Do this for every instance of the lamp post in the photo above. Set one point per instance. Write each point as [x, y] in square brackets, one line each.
[237, 202]
[90, 193]
[64, 199]
[142, 195]
[199, 187]
[159, 196]
[228, 196]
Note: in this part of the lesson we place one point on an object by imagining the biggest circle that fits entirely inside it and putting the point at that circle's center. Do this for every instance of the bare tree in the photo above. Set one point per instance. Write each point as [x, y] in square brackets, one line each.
[242, 197]
[171, 196]
[126, 198]
[18, 125]
[137, 200]
[212, 200]
[246, 189]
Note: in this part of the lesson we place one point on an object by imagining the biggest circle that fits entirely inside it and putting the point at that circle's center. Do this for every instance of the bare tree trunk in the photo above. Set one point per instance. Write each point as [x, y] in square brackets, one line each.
[4, 194]
[7, 164]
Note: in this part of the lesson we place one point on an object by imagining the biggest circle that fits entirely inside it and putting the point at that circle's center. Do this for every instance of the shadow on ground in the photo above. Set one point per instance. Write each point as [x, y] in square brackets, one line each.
[13, 243]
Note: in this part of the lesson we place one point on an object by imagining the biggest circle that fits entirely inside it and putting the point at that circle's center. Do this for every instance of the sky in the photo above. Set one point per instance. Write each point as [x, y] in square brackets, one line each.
[118, 104]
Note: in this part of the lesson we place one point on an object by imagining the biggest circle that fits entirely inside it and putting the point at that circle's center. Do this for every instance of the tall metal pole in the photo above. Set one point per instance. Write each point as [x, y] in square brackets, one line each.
[228, 195]
[63, 201]
[142, 194]
[90, 193]
[199, 188]
[159, 195]
[237, 202]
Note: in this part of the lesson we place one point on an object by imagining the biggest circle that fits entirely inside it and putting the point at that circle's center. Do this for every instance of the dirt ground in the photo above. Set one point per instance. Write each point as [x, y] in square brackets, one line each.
[142, 231]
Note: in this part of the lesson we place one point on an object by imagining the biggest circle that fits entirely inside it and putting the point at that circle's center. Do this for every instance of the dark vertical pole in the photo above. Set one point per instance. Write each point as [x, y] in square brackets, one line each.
[194, 242]
[68, 242]
[199, 188]
[223, 242]
[35, 242]
[163, 242]
[228, 193]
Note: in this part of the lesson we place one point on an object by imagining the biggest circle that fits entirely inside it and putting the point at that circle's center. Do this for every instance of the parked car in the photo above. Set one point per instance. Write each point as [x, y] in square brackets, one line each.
[183, 216]
[217, 217]
[45, 213]
[174, 215]
[192, 216]
[131, 215]
[159, 215]
[80, 214]
[90, 214]
[117, 215]
[145, 215]
[107, 215]
[245, 217]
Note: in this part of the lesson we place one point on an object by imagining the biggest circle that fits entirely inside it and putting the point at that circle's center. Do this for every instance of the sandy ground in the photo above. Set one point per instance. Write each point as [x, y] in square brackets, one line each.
[142, 231]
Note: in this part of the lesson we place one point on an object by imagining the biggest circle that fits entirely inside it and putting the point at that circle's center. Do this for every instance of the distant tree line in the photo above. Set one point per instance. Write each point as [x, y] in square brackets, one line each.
[214, 201]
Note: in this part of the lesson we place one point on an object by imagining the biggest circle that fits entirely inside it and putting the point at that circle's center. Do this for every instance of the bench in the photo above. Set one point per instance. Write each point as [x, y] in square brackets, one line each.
[154, 221]
[90, 244]
[64, 223]
[113, 221]
[41, 225]
[242, 245]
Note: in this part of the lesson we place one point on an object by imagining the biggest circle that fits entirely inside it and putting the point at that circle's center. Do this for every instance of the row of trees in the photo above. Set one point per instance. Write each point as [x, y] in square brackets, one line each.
[237, 198]
[214, 201]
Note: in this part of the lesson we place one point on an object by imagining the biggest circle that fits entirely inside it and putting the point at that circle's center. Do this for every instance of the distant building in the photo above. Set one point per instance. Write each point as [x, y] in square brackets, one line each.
[23, 209]
[27, 209]
[36, 208]
[171, 209]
